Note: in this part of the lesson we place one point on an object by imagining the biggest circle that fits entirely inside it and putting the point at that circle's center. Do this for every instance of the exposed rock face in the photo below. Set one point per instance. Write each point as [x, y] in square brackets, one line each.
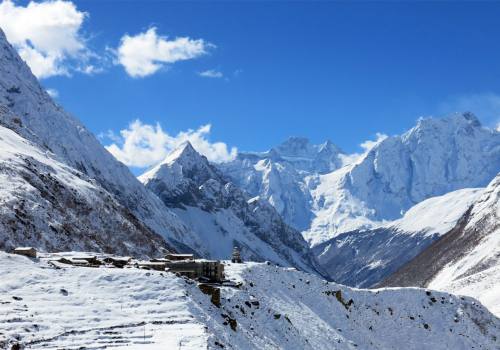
[363, 258]
[47, 204]
[28, 109]
[220, 215]
[466, 259]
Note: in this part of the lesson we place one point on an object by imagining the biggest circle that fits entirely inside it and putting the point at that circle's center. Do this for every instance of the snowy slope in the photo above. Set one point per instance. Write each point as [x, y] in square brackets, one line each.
[433, 158]
[467, 259]
[220, 215]
[47, 204]
[28, 109]
[278, 175]
[364, 258]
[275, 308]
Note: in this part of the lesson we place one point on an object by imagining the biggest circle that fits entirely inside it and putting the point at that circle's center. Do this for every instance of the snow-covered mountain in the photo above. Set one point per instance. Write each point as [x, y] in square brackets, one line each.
[467, 259]
[29, 110]
[274, 308]
[363, 258]
[433, 158]
[280, 175]
[47, 204]
[203, 213]
[220, 215]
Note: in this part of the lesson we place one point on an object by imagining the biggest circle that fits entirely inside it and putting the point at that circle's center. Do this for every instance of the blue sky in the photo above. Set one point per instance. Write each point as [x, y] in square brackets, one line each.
[339, 71]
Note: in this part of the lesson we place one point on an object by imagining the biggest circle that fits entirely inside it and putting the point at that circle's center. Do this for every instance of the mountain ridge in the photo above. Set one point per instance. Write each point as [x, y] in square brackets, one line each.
[221, 213]
[436, 156]
[466, 259]
[33, 114]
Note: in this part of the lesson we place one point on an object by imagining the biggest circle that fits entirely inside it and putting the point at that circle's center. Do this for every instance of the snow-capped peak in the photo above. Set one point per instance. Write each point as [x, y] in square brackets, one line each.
[295, 146]
[221, 215]
[183, 162]
[184, 153]
[297, 149]
[454, 124]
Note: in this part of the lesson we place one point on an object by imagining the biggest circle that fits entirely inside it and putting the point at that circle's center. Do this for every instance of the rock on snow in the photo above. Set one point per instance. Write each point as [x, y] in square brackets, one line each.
[73, 307]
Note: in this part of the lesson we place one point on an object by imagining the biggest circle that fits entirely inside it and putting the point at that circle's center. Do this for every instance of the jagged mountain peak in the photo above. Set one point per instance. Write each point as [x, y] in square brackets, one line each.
[183, 164]
[185, 152]
[219, 211]
[328, 145]
[448, 124]
[296, 146]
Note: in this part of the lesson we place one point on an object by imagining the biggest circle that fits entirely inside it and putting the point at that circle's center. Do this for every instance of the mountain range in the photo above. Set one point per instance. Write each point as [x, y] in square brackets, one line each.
[128, 217]
[324, 192]
[417, 209]
[220, 215]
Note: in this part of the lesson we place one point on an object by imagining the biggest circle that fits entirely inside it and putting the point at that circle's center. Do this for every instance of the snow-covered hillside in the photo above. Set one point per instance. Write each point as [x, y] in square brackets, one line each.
[220, 215]
[435, 157]
[274, 308]
[28, 109]
[363, 258]
[467, 259]
[47, 204]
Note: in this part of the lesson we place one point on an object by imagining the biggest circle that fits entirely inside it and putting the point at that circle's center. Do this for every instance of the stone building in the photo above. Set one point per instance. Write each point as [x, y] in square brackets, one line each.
[26, 251]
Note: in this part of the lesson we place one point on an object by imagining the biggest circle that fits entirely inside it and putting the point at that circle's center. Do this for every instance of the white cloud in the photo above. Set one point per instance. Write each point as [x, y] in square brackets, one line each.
[369, 144]
[145, 53]
[366, 146]
[211, 73]
[485, 105]
[46, 35]
[142, 145]
[53, 93]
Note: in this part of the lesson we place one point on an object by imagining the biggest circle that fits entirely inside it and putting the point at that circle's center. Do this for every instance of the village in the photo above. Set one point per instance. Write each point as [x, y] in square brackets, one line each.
[202, 270]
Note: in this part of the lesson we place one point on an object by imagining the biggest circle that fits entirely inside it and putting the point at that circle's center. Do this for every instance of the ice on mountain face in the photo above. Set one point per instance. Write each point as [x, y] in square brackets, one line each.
[435, 157]
[274, 308]
[220, 215]
[33, 115]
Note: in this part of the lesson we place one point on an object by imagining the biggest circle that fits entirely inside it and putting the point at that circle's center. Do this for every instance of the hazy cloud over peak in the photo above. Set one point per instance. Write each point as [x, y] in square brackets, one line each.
[143, 145]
